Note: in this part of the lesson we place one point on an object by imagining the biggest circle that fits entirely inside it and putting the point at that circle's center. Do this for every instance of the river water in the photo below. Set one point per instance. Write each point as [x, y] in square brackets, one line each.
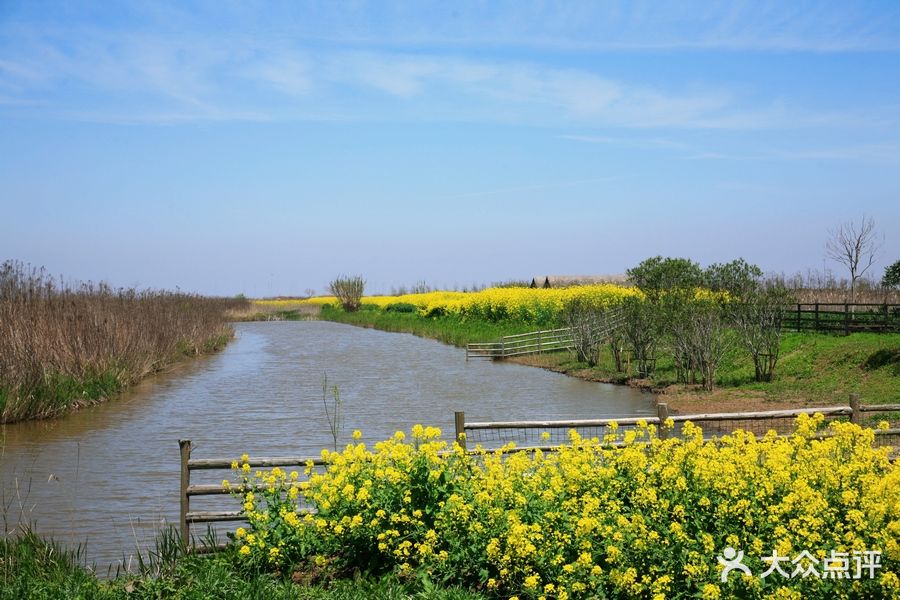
[107, 476]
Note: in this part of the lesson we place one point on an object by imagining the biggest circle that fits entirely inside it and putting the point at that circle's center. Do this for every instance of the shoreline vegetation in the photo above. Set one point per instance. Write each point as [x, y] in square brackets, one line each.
[40, 569]
[64, 345]
[815, 368]
[706, 340]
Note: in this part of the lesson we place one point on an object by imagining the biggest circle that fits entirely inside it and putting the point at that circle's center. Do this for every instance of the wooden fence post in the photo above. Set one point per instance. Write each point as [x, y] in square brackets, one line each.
[846, 319]
[459, 418]
[662, 411]
[798, 317]
[817, 316]
[184, 526]
[856, 415]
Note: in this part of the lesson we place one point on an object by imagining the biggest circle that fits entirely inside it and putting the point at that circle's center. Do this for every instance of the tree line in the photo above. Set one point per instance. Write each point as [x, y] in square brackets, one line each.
[697, 315]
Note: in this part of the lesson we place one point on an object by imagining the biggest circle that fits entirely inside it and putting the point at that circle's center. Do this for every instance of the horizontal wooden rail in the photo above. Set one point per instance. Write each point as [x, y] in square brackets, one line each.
[274, 461]
[855, 411]
[829, 411]
[542, 332]
[560, 424]
[216, 516]
[880, 408]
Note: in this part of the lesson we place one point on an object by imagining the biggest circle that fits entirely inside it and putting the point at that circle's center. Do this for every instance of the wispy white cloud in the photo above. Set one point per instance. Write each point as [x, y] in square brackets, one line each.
[869, 152]
[741, 25]
[658, 143]
[152, 75]
[879, 152]
[131, 75]
[533, 187]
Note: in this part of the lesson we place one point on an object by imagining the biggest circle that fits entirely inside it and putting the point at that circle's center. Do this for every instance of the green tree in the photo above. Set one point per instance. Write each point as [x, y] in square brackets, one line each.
[738, 278]
[656, 275]
[891, 277]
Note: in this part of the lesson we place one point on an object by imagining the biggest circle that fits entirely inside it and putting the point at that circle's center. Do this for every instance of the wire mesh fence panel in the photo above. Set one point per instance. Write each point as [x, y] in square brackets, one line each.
[543, 436]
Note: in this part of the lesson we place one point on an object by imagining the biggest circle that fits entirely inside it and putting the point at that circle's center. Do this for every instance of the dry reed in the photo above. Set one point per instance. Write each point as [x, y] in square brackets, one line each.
[64, 345]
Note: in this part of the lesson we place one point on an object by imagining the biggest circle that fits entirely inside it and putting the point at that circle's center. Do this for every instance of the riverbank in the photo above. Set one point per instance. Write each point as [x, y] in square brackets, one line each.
[64, 346]
[814, 369]
[31, 567]
[452, 330]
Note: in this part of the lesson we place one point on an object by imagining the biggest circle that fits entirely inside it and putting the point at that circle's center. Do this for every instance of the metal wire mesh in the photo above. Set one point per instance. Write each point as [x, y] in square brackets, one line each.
[547, 435]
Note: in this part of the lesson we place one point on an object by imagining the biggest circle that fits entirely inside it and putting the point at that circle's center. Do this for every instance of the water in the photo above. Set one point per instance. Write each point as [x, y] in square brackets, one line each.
[108, 475]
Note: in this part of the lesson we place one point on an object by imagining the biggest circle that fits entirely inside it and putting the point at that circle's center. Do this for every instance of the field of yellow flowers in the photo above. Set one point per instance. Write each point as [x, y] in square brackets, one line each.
[525, 305]
[648, 519]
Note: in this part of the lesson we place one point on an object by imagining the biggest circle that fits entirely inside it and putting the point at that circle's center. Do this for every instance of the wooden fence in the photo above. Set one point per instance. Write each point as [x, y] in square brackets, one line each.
[534, 342]
[187, 517]
[528, 433]
[843, 318]
[548, 340]
[533, 434]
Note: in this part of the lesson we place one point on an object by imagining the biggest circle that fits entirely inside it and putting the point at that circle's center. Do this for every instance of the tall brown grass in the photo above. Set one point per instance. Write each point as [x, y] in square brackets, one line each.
[824, 288]
[64, 345]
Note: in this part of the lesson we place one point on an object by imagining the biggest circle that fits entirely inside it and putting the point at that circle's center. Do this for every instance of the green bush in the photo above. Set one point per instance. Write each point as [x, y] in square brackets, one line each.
[401, 307]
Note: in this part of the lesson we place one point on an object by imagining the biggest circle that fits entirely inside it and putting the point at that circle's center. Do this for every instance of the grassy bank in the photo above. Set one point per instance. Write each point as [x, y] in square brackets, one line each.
[454, 330]
[813, 368]
[33, 568]
[63, 346]
[276, 310]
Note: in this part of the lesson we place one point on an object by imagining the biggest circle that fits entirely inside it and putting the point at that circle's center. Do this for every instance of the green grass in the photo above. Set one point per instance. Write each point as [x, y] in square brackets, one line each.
[447, 329]
[813, 367]
[31, 567]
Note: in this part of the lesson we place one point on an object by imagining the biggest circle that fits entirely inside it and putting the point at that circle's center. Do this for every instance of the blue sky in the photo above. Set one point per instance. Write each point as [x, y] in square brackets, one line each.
[228, 147]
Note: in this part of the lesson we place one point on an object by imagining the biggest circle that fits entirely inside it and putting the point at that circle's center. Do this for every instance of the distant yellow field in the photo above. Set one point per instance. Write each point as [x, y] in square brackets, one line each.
[525, 304]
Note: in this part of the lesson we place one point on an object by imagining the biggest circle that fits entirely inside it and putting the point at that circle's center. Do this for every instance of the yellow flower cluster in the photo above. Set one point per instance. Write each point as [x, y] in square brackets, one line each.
[528, 305]
[644, 519]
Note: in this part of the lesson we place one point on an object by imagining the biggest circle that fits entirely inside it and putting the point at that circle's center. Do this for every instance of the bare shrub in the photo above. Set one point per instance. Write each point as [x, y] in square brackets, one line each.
[642, 330]
[349, 291]
[855, 247]
[585, 322]
[758, 319]
[708, 338]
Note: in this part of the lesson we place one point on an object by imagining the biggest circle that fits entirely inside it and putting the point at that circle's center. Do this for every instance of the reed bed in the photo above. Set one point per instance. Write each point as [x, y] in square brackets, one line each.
[63, 345]
[837, 295]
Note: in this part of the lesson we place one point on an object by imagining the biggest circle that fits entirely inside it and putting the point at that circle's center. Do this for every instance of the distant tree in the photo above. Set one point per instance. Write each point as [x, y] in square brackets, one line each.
[585, 320]
[642, 329]
[656, 275]
[855, 247]
[708, 336]
[348, 291]
[738, 278]
[592, 326]
[891, 277]
[757, 318]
